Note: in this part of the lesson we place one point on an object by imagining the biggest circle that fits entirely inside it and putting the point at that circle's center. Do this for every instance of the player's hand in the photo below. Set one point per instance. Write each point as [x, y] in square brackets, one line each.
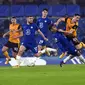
[46, 39]
[55, 23]
[60, 30]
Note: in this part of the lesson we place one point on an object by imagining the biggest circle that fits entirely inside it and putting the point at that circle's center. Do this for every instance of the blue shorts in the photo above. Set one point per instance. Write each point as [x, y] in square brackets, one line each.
[61, 47]
[41, 41]
[32, 46]
[65, 45]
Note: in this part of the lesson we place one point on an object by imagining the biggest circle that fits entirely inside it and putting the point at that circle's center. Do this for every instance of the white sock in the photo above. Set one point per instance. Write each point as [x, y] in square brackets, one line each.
[18, 57]
[67, 58]
[51, 50]
[81, 58]
[42, 51]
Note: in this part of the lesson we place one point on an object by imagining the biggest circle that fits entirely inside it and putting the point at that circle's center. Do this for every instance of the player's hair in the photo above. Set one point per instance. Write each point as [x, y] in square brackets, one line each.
[50, 26]
[45, 9]
[77, 15]
[13, 17]
[30, 16]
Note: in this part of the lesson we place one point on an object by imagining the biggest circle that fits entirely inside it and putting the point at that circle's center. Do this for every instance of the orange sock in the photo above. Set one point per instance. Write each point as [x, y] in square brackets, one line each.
[62, 55]
[6, 54]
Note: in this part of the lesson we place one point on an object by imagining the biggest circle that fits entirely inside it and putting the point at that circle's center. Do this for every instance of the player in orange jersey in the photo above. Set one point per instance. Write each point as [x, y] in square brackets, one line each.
[14, 39]
[71, 28]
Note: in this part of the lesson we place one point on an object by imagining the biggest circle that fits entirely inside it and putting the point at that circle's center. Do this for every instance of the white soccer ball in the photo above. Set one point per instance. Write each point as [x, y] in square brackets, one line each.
[30, 63]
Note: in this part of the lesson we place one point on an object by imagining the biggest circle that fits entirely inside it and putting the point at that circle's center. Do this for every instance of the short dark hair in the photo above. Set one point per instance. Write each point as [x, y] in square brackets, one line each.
[30, 16]
[45, 9]
[50, 26]
[77, 15]
[13, 17]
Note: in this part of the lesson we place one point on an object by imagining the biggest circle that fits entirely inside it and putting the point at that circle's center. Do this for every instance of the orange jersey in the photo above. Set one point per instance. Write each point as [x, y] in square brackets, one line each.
[14, 33]
[71, 26]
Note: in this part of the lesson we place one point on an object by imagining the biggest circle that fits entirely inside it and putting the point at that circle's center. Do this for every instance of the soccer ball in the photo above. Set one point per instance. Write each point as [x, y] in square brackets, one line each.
[30, 63]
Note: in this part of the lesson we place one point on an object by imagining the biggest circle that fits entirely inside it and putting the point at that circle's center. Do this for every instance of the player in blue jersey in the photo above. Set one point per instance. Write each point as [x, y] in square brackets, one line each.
[66, 45]
[29, 41]
[43, 23]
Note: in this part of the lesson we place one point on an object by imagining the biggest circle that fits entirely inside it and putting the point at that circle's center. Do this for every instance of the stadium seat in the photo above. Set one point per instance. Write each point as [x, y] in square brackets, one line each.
[84, 11]
[17, 10]
[31, 10]
[41, 7]
[4, 10]
[58, 10]
[73, 9]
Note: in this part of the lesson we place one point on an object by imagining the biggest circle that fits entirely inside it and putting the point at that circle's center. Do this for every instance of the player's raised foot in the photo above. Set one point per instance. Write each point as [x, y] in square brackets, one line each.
[61, 63]
[7, 61]
[47, 52]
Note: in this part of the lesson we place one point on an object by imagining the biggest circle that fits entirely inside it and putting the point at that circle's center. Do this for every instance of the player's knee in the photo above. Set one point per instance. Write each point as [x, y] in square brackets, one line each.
[14, 54]
[78, 53]
[20, 51]
[4, 49]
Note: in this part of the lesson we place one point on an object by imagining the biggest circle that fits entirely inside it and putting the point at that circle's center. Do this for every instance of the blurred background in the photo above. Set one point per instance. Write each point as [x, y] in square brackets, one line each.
[56, 8]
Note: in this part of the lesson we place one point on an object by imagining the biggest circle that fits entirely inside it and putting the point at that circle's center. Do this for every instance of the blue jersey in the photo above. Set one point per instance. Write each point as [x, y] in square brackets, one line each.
[29, 32]
[29, 37]
[43, 24]
[64, 44]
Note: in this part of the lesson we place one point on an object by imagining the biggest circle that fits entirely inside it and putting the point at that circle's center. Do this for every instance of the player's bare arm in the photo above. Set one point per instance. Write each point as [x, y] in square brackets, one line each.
[59, 20]
[68, 32]
[7, 33]
[42, 35]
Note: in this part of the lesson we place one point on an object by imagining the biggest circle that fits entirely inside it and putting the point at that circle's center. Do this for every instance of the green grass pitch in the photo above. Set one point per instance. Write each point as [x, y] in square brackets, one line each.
[43, 75]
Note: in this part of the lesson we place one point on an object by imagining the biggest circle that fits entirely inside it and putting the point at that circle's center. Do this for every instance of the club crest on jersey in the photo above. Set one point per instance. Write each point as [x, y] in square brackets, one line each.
[41, 25]
[45, 20]
[31, 27]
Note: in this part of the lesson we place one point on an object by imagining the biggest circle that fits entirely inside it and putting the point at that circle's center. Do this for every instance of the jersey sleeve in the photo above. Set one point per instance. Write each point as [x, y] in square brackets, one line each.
[19, 26]
[49, 21]
[37, 22]
[23, 27]
[36, 27]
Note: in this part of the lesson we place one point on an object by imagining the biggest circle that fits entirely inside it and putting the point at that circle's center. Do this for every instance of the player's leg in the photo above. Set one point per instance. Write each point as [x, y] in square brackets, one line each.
[5, 53]
[62, 48]
[63, 54]
[66, 59]
[51, 50]
[40, 43]
[42, 46]
[80, 56]
[75, 41]
[47, 50]
[34, 49]
[15, 49]
[39, 47]
[20, 53]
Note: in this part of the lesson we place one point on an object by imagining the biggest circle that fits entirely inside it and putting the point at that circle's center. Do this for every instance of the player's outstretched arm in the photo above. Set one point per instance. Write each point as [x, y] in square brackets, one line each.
[7, 33]
[59, 20]
[42, 35]
[68, 32]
